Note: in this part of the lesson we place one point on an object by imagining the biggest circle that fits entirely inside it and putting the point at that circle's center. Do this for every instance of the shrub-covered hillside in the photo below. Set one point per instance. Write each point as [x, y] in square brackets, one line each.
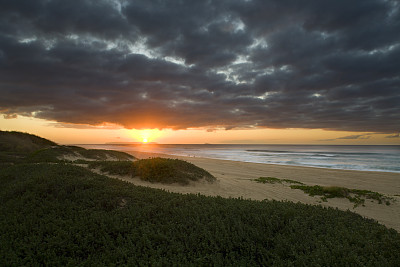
[22, 142]
[74, 153]
[17, 147]
[156, 170]
[58, 214]
[159, 170]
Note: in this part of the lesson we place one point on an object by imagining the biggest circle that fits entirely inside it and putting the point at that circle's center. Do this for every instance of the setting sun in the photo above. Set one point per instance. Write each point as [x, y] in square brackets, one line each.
[146, 135]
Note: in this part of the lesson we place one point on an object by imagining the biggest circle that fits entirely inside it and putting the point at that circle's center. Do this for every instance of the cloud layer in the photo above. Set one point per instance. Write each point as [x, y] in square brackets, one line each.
[214, 64]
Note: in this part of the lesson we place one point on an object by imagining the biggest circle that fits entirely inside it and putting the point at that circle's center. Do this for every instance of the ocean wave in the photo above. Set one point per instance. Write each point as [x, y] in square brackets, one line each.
[362, 158]
[311, 152]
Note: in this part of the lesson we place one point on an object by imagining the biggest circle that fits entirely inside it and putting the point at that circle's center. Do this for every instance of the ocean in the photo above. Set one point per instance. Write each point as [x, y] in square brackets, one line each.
[344, 157]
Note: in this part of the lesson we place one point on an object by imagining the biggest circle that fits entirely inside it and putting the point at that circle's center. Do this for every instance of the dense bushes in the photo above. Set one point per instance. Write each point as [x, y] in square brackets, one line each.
[114, 167]
[59, 214]
[56, 214]
[159, 170]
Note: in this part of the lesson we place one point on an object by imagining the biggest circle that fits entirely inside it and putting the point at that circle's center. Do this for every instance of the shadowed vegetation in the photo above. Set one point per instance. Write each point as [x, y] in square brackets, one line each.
[273, 180]
[17, 147]
[353, 195]
[22, 142]
[67, 153]
[156, 170]
[59, 214]
[54, 214]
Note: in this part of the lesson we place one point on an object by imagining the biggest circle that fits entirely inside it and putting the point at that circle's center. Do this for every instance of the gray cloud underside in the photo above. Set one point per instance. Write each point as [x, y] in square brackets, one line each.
[357, 136]
[177, 64]
[350, 137]
[393, 136]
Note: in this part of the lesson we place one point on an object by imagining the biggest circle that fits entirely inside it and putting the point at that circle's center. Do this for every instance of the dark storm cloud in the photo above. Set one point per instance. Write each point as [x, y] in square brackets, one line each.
[214, 64]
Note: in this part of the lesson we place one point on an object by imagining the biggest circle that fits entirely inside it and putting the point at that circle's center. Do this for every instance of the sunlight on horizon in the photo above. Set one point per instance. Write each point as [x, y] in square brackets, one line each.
[146, 135]
[62, 134]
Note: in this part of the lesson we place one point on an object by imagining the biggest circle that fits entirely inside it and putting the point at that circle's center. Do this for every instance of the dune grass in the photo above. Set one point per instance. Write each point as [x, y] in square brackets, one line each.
[273, 180]
[355, 196]
[60, 214]
[156, 170]
[17, 147]
[18, 142]
[59, 153]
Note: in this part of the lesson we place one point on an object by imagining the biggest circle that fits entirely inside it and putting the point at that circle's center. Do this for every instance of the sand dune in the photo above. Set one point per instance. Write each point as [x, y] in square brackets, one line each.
[234, 179]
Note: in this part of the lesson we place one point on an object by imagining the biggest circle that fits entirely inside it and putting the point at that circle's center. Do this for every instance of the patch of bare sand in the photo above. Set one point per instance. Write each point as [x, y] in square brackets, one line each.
[234, 179]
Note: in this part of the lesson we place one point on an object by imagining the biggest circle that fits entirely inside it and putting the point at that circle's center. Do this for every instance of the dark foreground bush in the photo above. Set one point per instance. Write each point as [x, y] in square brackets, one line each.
[114, 167]
[158, 170]
[52, 214]
[170, 171]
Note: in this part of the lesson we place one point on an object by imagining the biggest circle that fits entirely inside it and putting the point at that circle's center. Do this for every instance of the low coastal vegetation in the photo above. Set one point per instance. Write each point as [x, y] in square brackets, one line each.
[61, 214]
[273, 180]
[57, 213]
[355, 196]
[15, 142]
[156, 170]
[20, 148]
[73, 153]
[17, 147]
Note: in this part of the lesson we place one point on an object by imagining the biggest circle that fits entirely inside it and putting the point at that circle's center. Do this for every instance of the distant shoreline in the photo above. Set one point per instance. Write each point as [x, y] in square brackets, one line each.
[313, 156]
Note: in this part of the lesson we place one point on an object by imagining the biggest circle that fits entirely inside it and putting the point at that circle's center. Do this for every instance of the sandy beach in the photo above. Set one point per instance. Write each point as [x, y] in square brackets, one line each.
[235, 179]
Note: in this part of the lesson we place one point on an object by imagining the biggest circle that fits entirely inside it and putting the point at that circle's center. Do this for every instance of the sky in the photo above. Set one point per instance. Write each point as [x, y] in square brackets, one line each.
[226, 71]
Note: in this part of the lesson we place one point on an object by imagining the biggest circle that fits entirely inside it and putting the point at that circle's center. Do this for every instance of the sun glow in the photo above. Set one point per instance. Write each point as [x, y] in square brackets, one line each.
[146, 136]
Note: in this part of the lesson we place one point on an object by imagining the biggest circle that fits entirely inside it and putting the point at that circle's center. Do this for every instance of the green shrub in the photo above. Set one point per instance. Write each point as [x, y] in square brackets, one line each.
[273, 180]
[170, 171]
[22, 142]
[51, 154]
[102, 154]
[156, 170]
[114, 167]
[353, 195]
[59, 214]
[56, 153]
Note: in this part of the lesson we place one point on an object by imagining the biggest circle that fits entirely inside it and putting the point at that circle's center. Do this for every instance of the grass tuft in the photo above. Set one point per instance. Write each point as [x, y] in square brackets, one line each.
[355, 196]
[273, 180]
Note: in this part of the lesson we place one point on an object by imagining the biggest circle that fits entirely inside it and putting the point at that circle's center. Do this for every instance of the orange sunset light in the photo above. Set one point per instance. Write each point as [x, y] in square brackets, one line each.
[146, 135]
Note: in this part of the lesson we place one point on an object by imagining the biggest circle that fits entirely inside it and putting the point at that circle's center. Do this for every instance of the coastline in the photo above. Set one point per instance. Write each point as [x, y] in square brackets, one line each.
[358, 158]
[235, 179]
